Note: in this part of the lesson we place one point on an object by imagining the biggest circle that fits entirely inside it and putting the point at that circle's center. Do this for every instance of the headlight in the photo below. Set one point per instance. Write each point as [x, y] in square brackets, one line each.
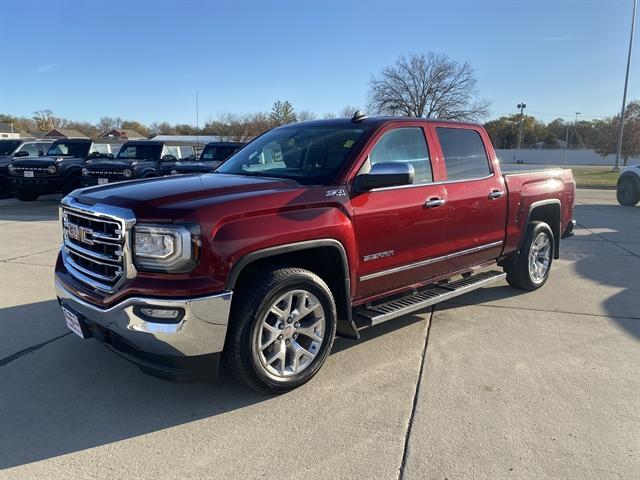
[174, 172]
[85, 172]
[127, 172]
[11, 168]
[52, 169]
[166, 248]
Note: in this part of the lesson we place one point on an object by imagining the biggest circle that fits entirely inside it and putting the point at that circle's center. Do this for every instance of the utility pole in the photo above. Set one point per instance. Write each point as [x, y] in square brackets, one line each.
[197, 120]
[624, 95]
[521, 106]
[575, 127]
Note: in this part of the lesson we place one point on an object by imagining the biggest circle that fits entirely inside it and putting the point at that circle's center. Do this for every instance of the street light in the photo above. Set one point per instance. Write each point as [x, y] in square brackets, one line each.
[575, 127]
[521, 106]
[626, 82]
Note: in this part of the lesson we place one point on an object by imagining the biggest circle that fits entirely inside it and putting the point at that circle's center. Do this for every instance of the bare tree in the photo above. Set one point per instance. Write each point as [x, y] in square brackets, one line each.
[428, 85]
[45, 120]
[348, 111]
[305, 115]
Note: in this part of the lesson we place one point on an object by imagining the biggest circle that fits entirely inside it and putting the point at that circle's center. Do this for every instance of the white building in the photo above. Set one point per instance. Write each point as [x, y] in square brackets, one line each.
[7, 131]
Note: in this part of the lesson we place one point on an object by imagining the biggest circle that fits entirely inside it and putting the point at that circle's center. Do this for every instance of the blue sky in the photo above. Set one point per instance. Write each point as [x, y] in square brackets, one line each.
[144, 60]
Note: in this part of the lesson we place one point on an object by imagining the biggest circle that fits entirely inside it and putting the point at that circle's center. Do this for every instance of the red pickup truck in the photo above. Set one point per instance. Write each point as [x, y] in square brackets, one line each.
[312, 230]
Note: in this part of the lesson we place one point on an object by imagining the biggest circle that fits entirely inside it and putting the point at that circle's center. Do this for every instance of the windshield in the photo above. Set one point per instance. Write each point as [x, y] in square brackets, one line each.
[309, 154]
[69, 149]
[7, 147]
[140, 152]
[217, 153]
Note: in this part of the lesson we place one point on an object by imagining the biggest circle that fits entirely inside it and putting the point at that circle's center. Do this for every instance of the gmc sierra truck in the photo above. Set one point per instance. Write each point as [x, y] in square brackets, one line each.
[312, 230]
[58, 171]
[212, 156]
[136, 159]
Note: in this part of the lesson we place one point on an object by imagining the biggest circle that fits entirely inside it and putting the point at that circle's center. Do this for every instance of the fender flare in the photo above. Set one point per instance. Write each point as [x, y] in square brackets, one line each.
[557, 233]
[346, 327]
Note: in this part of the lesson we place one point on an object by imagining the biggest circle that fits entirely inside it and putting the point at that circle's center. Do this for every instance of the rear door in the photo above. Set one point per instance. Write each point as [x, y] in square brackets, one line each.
[400, 240]
[476, 195]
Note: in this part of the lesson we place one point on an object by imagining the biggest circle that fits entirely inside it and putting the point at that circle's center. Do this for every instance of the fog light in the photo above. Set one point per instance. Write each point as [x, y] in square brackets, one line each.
[159, 314]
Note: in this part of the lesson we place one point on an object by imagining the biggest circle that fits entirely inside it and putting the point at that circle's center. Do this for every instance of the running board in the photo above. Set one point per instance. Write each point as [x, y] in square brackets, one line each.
[373, 314]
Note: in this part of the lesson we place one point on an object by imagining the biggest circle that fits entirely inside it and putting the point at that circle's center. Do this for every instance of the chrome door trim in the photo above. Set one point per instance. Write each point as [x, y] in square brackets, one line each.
[429, 261]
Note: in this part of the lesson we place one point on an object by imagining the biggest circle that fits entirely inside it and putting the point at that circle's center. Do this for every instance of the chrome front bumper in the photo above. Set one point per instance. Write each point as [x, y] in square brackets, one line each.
[201, 331]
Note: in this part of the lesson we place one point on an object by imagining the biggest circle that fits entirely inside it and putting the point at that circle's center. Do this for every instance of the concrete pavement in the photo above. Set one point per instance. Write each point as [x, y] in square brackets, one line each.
[499, 384]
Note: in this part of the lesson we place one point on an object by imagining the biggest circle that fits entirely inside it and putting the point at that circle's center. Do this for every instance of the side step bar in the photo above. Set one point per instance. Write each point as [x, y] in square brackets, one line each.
[373, 314]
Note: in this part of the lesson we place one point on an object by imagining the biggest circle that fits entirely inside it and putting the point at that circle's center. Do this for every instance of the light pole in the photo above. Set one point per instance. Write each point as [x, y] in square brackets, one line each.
[575, 126]
[521, 106]
[624, 94]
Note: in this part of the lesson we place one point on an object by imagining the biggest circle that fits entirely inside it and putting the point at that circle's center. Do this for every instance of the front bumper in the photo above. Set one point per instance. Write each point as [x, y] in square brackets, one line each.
[93, 181]
[184, 351]
[38, 184]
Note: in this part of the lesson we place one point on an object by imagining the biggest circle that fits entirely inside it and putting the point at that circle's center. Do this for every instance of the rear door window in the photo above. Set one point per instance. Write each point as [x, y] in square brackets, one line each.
[464, 154]
[405, 145]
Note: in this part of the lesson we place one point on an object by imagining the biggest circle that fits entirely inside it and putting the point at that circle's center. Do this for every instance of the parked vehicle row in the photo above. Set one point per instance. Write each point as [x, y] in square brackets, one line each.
[34, 168]
[312, 230]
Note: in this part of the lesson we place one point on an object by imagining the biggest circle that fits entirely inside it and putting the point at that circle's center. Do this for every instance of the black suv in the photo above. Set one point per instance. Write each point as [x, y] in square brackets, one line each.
[136, 159]
[212, 156]
[10, 149]
[60, 170]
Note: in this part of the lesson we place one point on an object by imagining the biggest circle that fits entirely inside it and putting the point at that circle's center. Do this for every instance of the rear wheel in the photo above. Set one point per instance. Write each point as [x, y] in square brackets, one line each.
[530, 269]
[70, 185]
[26, 196]
[281, 331]
[628, 193]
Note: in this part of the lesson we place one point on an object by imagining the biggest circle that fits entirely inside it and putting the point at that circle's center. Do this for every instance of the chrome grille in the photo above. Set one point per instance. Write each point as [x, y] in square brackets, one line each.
[37, 171]
[95, 247]
[105, 173]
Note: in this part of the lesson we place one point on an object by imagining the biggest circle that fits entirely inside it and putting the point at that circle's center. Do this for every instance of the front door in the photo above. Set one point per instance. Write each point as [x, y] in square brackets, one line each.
[400, 231]
[476, 196]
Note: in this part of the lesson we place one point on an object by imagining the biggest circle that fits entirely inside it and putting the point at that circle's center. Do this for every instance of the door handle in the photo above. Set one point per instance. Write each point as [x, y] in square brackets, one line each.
[435, 202]
[495, 194]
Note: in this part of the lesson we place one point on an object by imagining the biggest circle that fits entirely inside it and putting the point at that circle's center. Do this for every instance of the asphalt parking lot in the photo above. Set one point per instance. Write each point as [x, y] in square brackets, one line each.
[498, 384]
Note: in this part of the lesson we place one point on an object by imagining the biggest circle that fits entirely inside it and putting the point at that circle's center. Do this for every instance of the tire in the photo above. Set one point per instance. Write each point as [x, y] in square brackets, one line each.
[257, 334]
[26, 196]
[70, 185]
[628, 193]
[5, 187]
[522, 275]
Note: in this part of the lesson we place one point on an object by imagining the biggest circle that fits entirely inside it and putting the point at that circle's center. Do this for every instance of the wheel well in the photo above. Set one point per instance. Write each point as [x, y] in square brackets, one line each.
[325, 261]
[550, 214]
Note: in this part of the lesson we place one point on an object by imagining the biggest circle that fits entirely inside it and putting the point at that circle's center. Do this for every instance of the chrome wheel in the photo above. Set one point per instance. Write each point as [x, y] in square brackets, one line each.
[290, 334]
[539, 258]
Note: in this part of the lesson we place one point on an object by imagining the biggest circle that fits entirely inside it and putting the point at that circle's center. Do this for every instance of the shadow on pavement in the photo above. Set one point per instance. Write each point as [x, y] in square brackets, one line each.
[45, 208]
[73, 395]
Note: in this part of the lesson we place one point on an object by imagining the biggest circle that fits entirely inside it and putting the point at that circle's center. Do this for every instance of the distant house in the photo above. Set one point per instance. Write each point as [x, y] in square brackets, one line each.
[123, 134]
[65, 133]
[7, 131]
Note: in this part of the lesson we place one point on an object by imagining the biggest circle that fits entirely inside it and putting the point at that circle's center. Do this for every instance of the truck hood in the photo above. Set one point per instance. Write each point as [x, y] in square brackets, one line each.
[152, 197]
[106, 164]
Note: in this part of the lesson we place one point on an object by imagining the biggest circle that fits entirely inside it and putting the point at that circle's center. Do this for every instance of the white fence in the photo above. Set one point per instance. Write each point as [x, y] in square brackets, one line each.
[557, 157]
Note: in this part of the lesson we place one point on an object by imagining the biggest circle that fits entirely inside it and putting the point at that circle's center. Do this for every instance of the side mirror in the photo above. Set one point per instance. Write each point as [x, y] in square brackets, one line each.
[386, 174]
[169, 158]
[21, 153]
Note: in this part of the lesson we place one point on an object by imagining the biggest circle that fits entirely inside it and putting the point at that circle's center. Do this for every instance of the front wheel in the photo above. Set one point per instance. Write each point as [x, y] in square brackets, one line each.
[530, 269]
[628, 193]
[282, 328]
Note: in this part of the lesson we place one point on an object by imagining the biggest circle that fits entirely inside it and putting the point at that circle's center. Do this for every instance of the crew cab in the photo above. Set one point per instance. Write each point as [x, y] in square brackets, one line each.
[312, 230]
[11, 149]
[212, 156]
[628, 188]
[136, 159]
[58, 171]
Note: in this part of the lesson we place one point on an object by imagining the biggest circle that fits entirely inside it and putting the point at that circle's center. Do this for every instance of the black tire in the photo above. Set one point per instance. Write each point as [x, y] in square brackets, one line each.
[251, 303]
[5, 187]
[26, 196]
[519, 275]
[628, 193]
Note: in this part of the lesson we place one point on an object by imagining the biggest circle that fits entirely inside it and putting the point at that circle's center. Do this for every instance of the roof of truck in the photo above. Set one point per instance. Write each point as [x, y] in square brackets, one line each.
[376, 121]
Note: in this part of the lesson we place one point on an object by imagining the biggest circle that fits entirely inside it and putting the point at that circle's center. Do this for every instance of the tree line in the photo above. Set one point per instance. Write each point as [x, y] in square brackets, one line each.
[428, 85]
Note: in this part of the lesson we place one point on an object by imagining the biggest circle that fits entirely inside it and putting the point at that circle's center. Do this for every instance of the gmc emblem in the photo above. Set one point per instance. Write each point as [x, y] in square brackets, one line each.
[80, 234]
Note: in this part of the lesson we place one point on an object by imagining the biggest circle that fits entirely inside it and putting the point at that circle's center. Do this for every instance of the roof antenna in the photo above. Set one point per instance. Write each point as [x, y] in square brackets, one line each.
[358, 116]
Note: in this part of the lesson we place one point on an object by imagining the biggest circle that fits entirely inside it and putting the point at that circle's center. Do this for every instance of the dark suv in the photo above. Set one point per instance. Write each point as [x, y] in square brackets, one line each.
[136, 159]
[58, 171]
[11, 149]
[212, 156]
